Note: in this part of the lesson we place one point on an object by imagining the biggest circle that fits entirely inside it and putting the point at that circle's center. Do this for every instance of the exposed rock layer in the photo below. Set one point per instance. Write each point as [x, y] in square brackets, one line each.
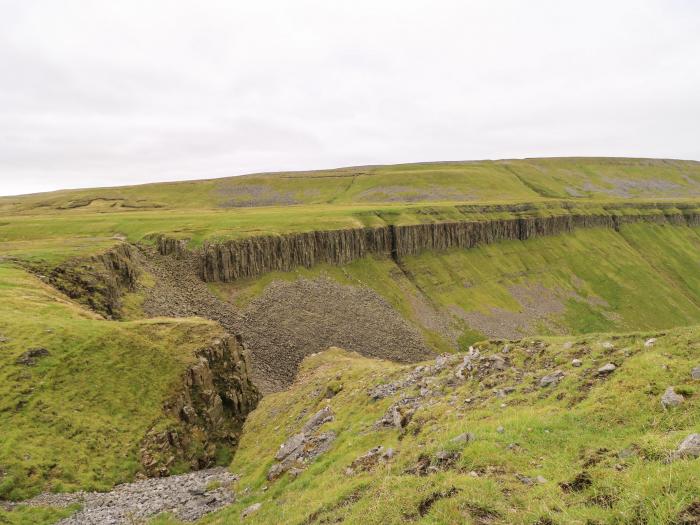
[99, 281]
[254, 256]
[215, 397]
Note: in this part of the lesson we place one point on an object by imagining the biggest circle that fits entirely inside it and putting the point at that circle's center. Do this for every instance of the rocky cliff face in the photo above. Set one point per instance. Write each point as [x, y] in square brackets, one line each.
[257, 255]
[169, 246]
[210, 406]
[99, 281]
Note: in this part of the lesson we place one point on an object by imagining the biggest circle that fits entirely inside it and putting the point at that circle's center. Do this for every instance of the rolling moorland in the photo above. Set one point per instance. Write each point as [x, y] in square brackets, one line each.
[468, 342]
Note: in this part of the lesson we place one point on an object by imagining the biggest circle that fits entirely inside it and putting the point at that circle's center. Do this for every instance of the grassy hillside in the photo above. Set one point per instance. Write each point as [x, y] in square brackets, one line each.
[73, 412]
[74, 418]
[600, 443]
[504, 180]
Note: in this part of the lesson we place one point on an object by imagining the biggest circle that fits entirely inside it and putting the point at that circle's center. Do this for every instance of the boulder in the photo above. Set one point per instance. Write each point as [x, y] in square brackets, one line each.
[367, 461]
[576, 362]
[671, 398]
[497, 362]
[650, 342]
[466, 437]
[606, 369]
[250, 510]
[689, 447]
[551, 379]
[319, 418]
[291, 447]
[695, 373]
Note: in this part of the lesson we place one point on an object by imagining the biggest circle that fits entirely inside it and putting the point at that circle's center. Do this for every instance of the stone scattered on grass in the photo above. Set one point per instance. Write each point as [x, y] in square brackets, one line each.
[466, 437]
[539, 480]
[303, 447]
[442, 460]
[551, 379]
[576, 363]
[319, 418]
[695, 373]
[187, 496]
[371, 459]
[606, 369]
[500, 430]
[689, 447]
[671, 399]
[650, 342]
[250, 510]
[32, 356]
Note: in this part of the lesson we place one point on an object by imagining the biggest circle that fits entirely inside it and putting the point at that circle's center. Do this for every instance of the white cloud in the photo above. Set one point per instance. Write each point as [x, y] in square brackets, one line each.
[101, 93]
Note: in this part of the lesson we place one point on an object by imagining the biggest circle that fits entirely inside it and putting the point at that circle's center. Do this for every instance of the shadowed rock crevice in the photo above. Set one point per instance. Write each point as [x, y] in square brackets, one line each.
[210, 407]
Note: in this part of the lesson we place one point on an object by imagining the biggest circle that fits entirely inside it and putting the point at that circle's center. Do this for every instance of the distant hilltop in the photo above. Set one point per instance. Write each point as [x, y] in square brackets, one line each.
[523, 180]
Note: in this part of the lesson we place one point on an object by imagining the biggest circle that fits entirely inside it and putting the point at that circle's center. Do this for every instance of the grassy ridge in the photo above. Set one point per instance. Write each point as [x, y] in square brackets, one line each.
[614, 429]
[75, 419]
[55, 236]
[506, 180]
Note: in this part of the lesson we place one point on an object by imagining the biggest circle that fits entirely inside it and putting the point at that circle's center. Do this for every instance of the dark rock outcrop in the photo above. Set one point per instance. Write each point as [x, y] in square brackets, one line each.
[215, 397]
[257, 255]
[254, 256]
[99, 281]
[32, 356]
[169, 246]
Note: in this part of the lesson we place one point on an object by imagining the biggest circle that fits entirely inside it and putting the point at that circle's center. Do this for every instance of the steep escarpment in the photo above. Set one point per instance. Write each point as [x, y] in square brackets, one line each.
[257, 255]
[97, 282]
[210, 407]
[254, 256]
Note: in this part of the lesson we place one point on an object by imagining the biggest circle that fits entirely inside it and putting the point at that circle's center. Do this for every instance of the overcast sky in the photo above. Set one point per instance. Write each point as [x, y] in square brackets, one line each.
[102, 92]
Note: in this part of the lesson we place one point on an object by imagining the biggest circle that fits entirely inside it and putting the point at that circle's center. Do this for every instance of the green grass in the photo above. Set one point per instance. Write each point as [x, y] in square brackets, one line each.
[61, 224]
[75, 419]
[506, 180]
[580, 424]
[640, 275]
[23, 515]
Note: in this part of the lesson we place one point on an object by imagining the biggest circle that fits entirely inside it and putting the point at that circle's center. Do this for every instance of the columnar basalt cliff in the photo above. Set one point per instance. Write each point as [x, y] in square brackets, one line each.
[258, 255]
[170, 246]
[210, 407]
[254, 256]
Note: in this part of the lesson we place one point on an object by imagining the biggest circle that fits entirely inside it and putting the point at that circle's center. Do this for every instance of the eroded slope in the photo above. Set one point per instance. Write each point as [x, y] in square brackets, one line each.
[533, 431]
[86, 403]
